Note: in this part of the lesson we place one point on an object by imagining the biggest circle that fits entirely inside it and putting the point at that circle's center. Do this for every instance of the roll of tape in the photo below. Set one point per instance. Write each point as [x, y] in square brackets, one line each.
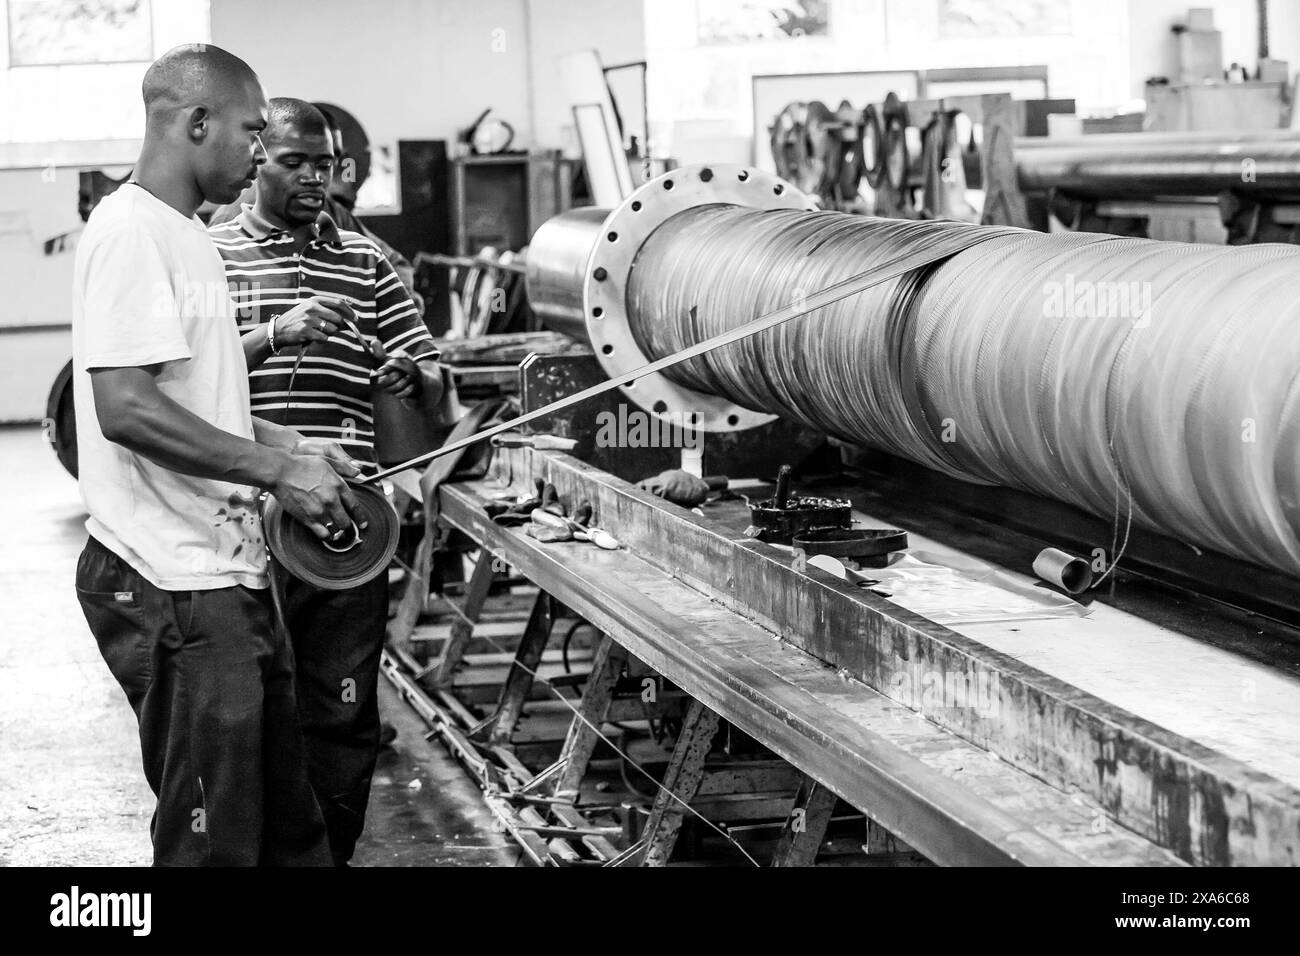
[358, 558]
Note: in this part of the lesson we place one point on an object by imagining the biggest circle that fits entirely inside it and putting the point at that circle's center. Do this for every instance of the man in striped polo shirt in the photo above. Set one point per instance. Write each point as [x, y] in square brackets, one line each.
[302, 288]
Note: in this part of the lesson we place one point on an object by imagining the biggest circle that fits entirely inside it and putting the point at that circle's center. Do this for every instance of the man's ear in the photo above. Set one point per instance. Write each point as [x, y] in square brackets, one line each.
[196, 123]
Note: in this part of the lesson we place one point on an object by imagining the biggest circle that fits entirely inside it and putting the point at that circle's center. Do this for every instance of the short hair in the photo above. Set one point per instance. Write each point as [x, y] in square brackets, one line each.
[189, 74]
[285, 111]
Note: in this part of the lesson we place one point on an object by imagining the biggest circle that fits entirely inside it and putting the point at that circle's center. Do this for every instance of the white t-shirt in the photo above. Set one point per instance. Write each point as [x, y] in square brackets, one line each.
[149, 289]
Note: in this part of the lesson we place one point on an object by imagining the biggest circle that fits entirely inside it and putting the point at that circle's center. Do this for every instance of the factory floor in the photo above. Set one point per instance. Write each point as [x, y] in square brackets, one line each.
[71, 789]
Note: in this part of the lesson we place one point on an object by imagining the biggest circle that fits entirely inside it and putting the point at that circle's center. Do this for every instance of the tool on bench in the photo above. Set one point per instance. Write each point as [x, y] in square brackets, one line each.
[820, 526]
[549, 523]
[583, 530]
[599, 537]
[543, 442]
[778, 519]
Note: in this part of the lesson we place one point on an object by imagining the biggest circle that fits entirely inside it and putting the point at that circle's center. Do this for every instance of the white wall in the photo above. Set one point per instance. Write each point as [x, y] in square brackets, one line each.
[1153, 50]
[407, 69]
[614, 28]
[421, 69]
[94, 101]
[1284, 32]
[704, 90]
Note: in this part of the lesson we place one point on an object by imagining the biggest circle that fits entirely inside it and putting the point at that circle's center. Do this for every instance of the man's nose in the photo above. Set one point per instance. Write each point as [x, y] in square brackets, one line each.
[259, 151]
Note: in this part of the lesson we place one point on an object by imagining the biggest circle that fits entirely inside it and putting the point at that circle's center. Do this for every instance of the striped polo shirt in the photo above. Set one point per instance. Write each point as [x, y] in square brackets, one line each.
[267, 276]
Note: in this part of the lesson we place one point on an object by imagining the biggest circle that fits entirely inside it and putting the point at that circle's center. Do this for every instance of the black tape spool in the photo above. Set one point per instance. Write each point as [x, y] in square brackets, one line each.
[361, 556]
[871, 546]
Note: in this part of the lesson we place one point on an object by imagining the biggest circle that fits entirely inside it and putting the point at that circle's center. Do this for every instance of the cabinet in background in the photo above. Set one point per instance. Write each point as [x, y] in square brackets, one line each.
[500, 201]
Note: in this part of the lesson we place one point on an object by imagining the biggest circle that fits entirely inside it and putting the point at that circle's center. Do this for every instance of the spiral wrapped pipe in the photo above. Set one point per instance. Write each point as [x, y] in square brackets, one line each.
[1123, 376]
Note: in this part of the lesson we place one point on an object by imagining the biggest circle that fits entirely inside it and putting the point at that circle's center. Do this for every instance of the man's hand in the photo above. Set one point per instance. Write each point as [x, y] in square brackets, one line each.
[398, 375]
[313, 320]
[310, 490]
[332, 452]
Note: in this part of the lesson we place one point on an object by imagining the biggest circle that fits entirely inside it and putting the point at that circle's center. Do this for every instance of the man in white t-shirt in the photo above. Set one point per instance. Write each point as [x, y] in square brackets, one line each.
[173, 579]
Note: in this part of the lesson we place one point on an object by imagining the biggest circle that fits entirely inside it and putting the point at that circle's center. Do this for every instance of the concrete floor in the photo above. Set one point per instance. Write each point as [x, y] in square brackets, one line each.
[71, 789]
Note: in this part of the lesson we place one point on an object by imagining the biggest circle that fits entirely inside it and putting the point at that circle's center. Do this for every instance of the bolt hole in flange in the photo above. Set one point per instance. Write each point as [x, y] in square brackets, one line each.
[706, 174]
[607, 349]
[636, 206]
[597, 312]
[660, 407]
[668, 184]
[600, 275]
[612, 237]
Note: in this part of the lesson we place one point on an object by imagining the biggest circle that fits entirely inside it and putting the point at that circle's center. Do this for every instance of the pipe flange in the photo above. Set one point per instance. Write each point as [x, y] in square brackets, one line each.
[609, 267]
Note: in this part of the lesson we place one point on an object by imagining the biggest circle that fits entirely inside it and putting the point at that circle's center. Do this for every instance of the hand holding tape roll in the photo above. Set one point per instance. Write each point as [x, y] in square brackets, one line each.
[359, 544]
[359, 554]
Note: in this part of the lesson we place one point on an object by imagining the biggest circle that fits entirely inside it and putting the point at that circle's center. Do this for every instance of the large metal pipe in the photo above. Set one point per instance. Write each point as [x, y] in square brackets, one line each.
[1147, 165]
[557, 260]
[1157, 382]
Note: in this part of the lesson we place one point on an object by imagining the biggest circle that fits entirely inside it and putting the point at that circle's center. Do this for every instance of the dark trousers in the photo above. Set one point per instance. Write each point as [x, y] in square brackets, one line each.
[210, 679]
[337, 639]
